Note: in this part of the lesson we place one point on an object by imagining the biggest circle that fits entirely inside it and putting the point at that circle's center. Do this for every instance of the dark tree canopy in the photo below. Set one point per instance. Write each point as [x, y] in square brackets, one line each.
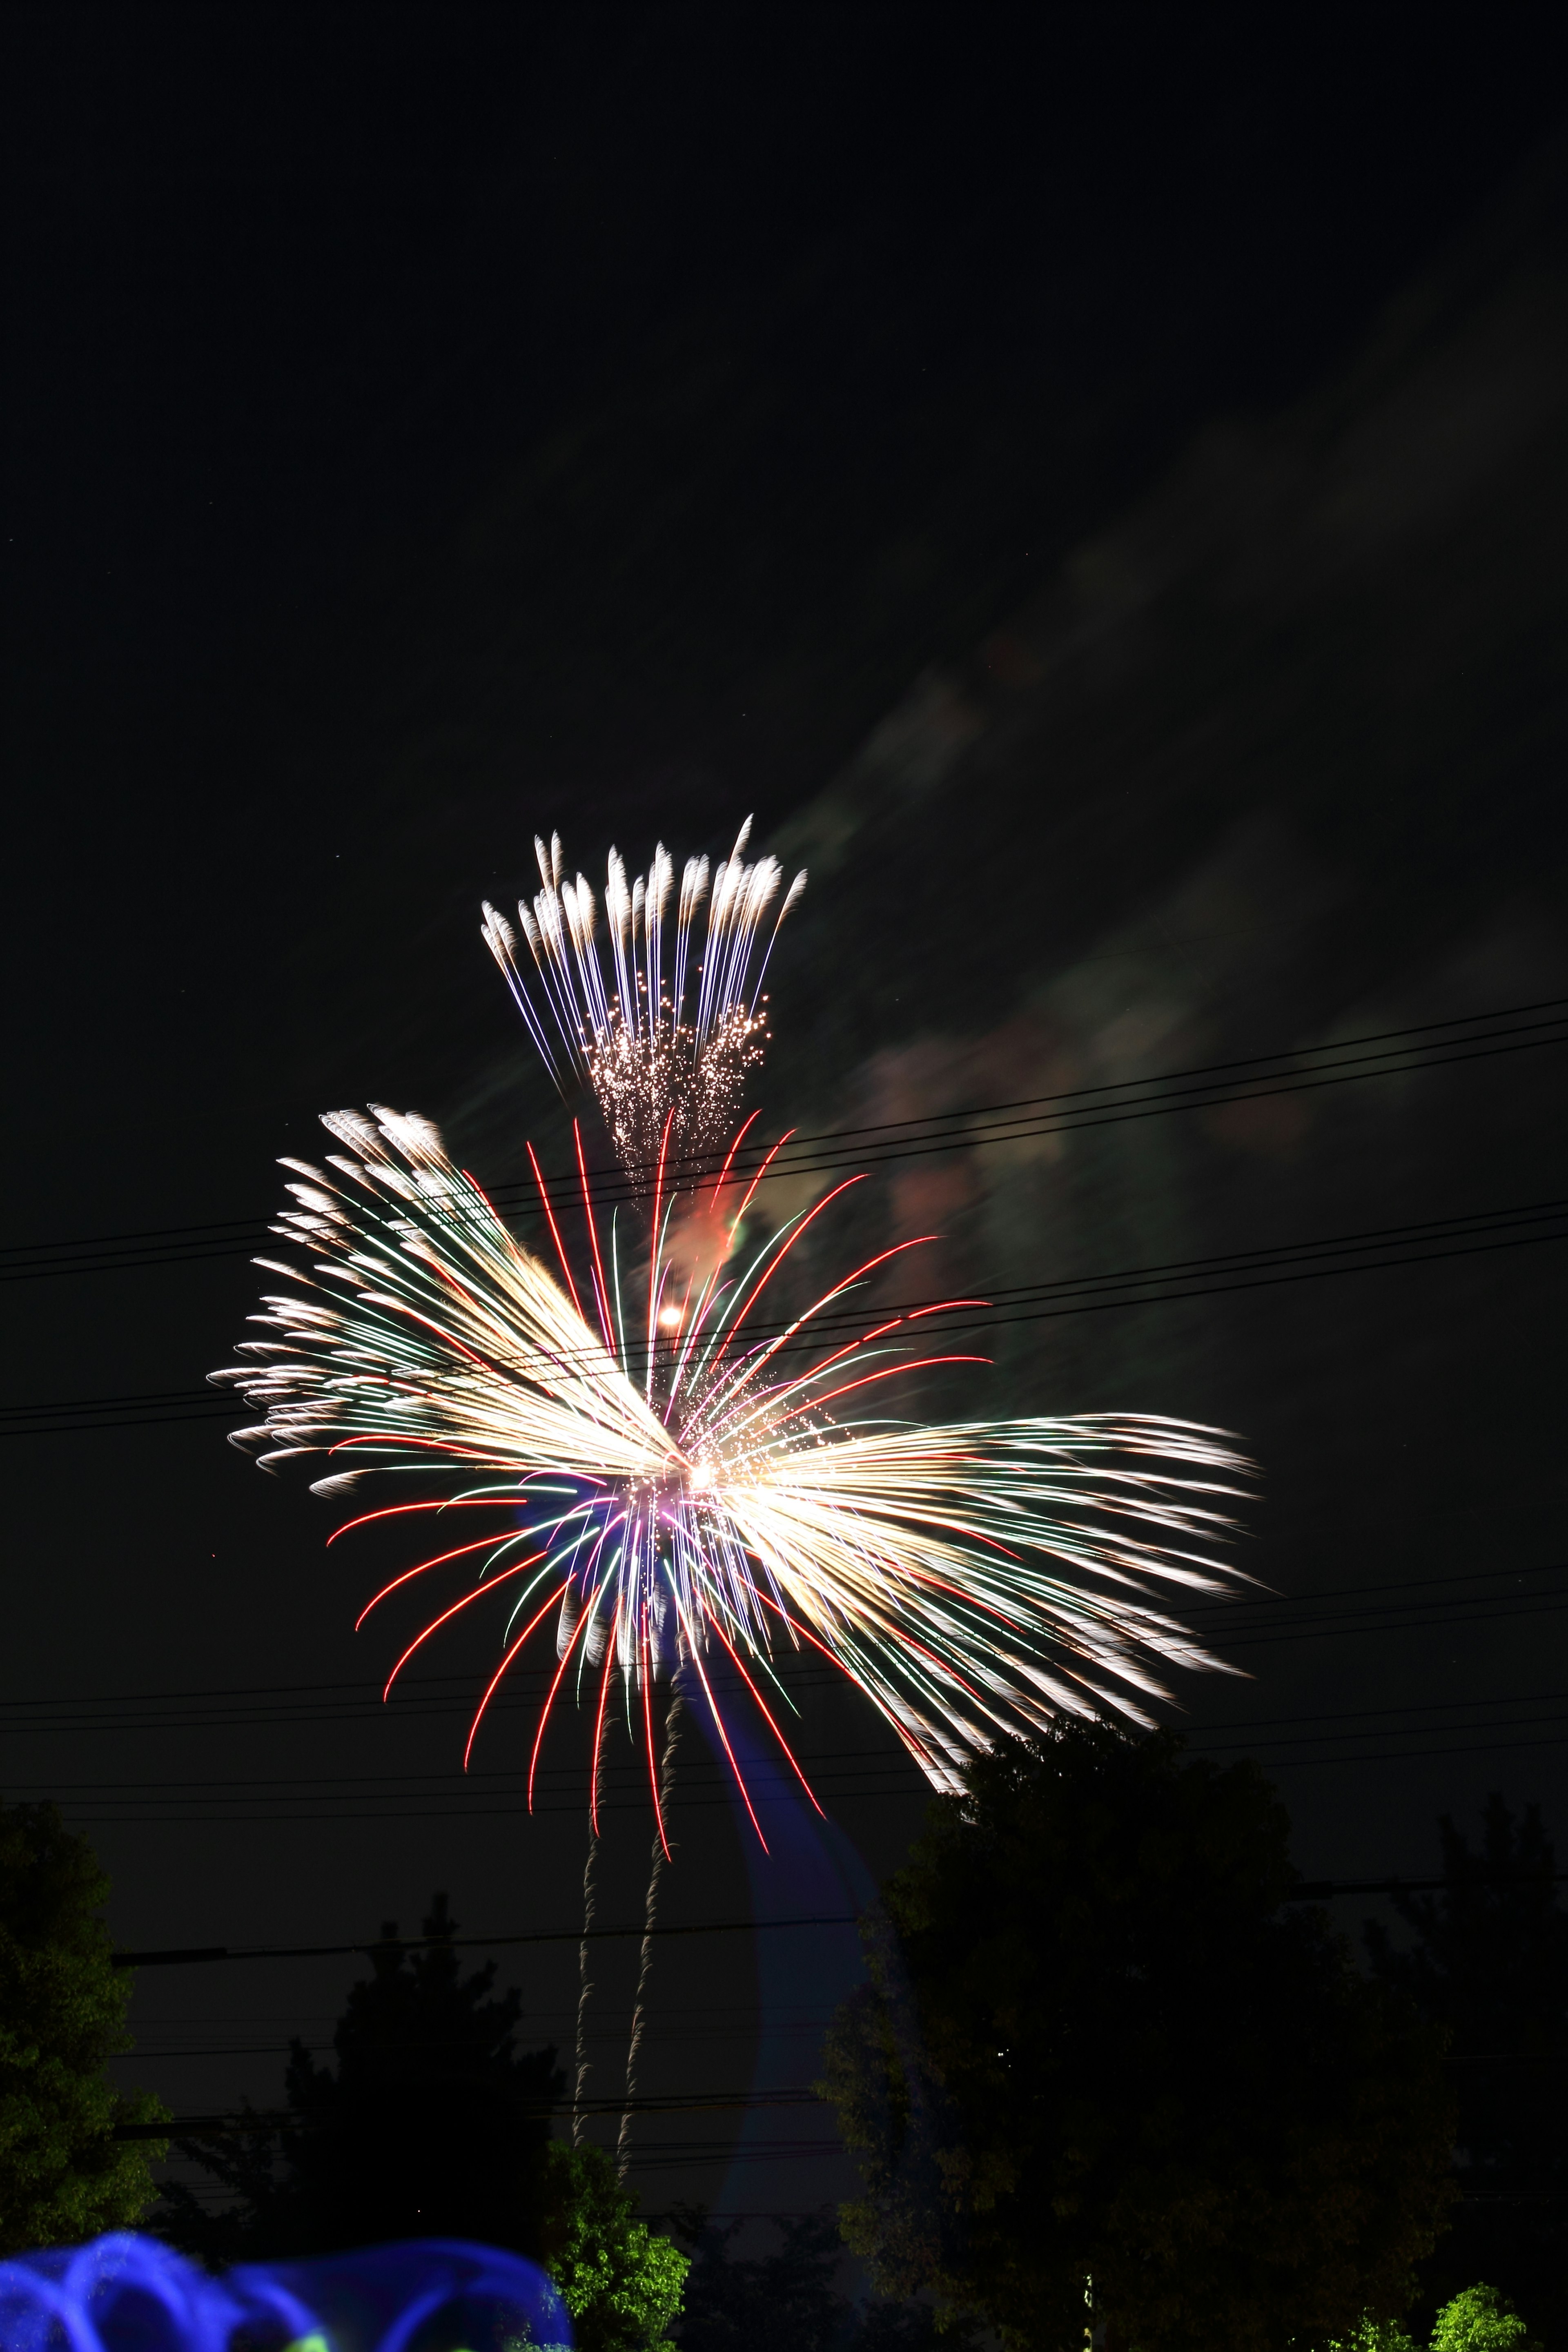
[63, 2176]
[789, 2300]
[431, 2125]
[1094, 2046]
[784, 2300]
[1488, 1959]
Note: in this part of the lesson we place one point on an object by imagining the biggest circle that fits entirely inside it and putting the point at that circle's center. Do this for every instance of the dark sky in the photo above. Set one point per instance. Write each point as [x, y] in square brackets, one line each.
[1093, 481]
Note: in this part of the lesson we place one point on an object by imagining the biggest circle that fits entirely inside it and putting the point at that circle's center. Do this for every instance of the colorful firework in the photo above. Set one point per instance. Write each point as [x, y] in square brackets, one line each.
[665, 1050]
[675, 1480]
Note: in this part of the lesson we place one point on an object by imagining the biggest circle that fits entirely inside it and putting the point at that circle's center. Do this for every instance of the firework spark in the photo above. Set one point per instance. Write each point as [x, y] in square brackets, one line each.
[675, 1481]
[664, 1048]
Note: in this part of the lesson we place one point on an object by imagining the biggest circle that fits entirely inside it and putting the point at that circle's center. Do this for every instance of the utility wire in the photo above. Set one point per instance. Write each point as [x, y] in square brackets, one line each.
[230, 1691]
[1525, 1225]
[1289, 1070]
[1465, 1226]
[703, 2037]
[850, 1768]
[1411, 1617]
[694, 2103]
[381, 1944]
[1308, 1891]
[902, 1790]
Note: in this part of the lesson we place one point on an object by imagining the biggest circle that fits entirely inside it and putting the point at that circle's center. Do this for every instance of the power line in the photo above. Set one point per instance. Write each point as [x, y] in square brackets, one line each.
[1307, 1890]
[684, 2153]
[1399, 1584]
[761, 2028]
[1317, 1890]
[1424, 1706]
[1214, 1745]
[704, 2037]
[1397, 1621]
[691, 2102]
[1418, 1755]
[406, 1805]
[231, 1691]
[688, 2154]
[630, 1773]
[1433, 1241]
[850, 1768]
[491, 1799]
[185, 1954]
[801, 2016]
[1386, 1052]
[904, 1790]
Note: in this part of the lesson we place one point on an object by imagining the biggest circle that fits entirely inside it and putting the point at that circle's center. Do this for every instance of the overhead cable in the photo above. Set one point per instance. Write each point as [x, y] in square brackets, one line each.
[1378, 1249]
[1289, 1070]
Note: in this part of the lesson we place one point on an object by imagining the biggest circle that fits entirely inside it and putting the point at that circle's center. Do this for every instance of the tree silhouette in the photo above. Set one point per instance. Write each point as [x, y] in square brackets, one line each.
[1489, 1961]
[789, 2300]
[63, 2176]
[431, 2125]
[784, 2301]
[1095, 2048]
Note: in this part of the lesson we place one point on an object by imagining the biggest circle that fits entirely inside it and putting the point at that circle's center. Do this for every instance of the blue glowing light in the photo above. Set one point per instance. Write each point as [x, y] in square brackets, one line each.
[130, 2293]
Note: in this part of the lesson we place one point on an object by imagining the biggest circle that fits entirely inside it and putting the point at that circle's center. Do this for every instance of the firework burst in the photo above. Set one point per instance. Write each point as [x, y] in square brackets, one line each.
[664, 1032]
[673, 1479]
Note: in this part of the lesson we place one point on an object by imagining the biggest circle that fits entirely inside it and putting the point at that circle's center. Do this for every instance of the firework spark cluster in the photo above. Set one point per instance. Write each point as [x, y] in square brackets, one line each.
[666, 1465]
[663, 1027]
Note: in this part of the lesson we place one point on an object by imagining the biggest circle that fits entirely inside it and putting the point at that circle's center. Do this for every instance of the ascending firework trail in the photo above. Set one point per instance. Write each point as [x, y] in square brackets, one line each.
[584, 1982]
[661, 1854]
[670, 1475]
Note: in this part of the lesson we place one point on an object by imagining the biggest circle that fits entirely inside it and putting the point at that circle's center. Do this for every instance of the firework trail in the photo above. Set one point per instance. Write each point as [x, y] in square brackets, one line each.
[682, 1484]
[660, 1855]
[585, 1983]
[663, 1029]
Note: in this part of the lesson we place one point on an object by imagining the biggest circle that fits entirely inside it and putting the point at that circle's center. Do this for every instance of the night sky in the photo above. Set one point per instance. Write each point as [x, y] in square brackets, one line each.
[1094, 483]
